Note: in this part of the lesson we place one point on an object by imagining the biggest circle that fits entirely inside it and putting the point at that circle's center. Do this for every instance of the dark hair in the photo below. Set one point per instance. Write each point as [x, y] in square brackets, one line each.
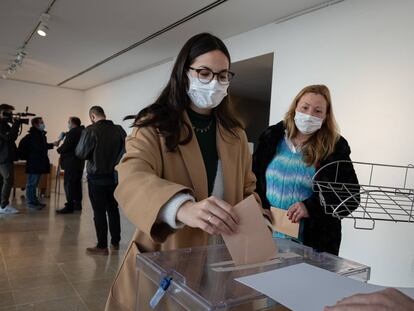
[166, 113]
[97, 110]
[76, 121]
[35, 121]
[6, 107]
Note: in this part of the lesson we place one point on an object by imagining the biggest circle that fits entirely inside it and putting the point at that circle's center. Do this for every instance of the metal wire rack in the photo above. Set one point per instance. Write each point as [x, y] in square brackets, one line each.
[384, 193]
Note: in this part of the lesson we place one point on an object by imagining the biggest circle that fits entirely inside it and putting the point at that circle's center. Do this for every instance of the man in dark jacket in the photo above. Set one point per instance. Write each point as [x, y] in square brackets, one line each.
[8, 136]
[73, 167]
[34, 148]
[102, 144]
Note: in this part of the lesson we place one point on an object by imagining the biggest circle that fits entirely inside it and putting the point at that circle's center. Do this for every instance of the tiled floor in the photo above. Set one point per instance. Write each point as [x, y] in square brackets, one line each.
[43, 264]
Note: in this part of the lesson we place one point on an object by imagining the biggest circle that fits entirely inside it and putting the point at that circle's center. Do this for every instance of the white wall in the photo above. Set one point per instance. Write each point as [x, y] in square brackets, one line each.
[362, 49]
[54, 104]
[128, 95]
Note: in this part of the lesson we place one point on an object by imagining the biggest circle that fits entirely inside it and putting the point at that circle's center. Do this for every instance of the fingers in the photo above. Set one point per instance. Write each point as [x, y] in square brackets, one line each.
[291, 211]
[226, 207]
[220, 227]
[208, 216]
[214, 219]
[388, 299]
[221, 219]
[362, 299]
[213, 225]
[294, 213]
[207, 227]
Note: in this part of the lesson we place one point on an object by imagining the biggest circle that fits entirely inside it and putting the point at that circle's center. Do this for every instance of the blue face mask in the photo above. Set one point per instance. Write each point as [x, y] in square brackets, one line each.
[42, 127]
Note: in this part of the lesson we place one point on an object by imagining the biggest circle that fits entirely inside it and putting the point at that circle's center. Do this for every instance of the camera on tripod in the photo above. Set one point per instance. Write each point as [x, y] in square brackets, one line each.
[18, 116]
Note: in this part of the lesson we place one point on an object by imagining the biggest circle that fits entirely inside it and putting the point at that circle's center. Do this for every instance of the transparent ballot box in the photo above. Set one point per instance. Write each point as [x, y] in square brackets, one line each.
[203, 278]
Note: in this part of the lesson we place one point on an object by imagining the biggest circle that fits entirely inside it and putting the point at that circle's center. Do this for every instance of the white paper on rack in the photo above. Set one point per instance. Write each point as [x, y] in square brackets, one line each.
[303, 287]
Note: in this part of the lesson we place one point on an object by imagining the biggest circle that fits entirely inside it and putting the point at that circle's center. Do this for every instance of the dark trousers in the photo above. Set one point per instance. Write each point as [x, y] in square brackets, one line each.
[6, 182]
[103, 203]
[31, 188]
[73, 187]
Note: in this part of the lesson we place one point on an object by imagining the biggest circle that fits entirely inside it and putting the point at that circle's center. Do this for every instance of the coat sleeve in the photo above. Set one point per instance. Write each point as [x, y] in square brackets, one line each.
[257, 167]
[68, 145]
[344, 174]
[22, 149]
[142, 191]
[86, 145]
[122, 149]
[12, 134]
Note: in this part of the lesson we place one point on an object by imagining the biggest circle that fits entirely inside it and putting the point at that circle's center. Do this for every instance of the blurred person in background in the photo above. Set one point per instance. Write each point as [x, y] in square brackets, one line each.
[34, 149]
[72, 166]
[8, 153]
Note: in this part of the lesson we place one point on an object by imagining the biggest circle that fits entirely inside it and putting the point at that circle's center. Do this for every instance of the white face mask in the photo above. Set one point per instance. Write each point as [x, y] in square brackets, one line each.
[306, 123]
[206, 96]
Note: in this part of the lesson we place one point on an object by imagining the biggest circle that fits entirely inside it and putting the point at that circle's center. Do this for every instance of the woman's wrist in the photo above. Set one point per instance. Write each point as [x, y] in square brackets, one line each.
[182, 211]
[168, 212]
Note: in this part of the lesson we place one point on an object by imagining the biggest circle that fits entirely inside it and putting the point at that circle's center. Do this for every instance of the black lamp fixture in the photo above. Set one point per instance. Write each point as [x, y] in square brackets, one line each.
[41, 29]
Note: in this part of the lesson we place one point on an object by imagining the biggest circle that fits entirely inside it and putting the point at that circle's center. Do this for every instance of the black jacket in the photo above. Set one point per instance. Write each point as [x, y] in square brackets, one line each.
[8, 136]
[33, 148]
[68, 159]
[102, 144]
[321, 231]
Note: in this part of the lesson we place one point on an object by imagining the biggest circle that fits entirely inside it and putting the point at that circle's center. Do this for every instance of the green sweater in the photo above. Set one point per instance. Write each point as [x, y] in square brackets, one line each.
[205, 129]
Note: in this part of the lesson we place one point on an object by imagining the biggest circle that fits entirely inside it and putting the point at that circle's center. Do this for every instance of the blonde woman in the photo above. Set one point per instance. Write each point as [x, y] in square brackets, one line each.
[288, 155]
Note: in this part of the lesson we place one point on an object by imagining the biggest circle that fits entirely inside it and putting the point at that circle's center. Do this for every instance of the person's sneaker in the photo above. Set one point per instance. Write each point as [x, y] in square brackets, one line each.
[8, 210]
[115, 247]
[77, 207]
[97, 251]
[65, 210]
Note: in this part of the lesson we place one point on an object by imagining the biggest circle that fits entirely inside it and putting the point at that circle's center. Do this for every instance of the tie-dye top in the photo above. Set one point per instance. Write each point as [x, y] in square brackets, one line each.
[288, 179]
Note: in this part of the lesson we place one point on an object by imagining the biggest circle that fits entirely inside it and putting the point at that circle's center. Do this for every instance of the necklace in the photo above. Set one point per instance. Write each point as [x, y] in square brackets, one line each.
[203, 130]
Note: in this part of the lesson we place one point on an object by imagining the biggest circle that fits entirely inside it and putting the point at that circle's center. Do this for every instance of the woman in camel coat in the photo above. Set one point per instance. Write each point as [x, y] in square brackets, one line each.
[187, 163]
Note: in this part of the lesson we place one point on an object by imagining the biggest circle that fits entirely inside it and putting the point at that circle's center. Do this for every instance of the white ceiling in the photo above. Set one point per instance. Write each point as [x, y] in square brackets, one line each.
[83, 33]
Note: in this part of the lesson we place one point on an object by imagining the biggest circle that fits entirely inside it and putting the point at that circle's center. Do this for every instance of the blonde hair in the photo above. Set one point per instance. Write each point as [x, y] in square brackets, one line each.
[322, 143]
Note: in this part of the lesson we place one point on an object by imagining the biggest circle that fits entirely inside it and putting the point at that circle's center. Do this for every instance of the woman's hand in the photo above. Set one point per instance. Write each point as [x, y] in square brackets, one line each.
[297, 211]
[211, 215]
[385, 300]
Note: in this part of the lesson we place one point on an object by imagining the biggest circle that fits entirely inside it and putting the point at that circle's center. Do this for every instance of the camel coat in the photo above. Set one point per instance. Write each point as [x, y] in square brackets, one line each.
[149, 176]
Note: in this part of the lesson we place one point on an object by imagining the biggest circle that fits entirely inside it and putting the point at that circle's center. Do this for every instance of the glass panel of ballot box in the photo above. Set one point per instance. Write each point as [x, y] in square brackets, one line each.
[203, 278]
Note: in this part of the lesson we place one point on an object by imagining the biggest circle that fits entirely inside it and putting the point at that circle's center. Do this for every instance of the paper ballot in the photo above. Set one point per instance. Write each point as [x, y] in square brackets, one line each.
[303, 287]
[253, 243]
[281, 222]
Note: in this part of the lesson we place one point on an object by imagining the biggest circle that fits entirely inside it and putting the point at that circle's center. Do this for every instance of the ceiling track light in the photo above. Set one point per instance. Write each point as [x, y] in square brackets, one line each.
[43, 26]
[41, 29]
[12, 69]
[20, 57]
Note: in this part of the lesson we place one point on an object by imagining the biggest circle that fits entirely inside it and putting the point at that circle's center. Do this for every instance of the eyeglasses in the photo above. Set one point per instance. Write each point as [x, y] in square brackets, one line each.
[206, 75]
